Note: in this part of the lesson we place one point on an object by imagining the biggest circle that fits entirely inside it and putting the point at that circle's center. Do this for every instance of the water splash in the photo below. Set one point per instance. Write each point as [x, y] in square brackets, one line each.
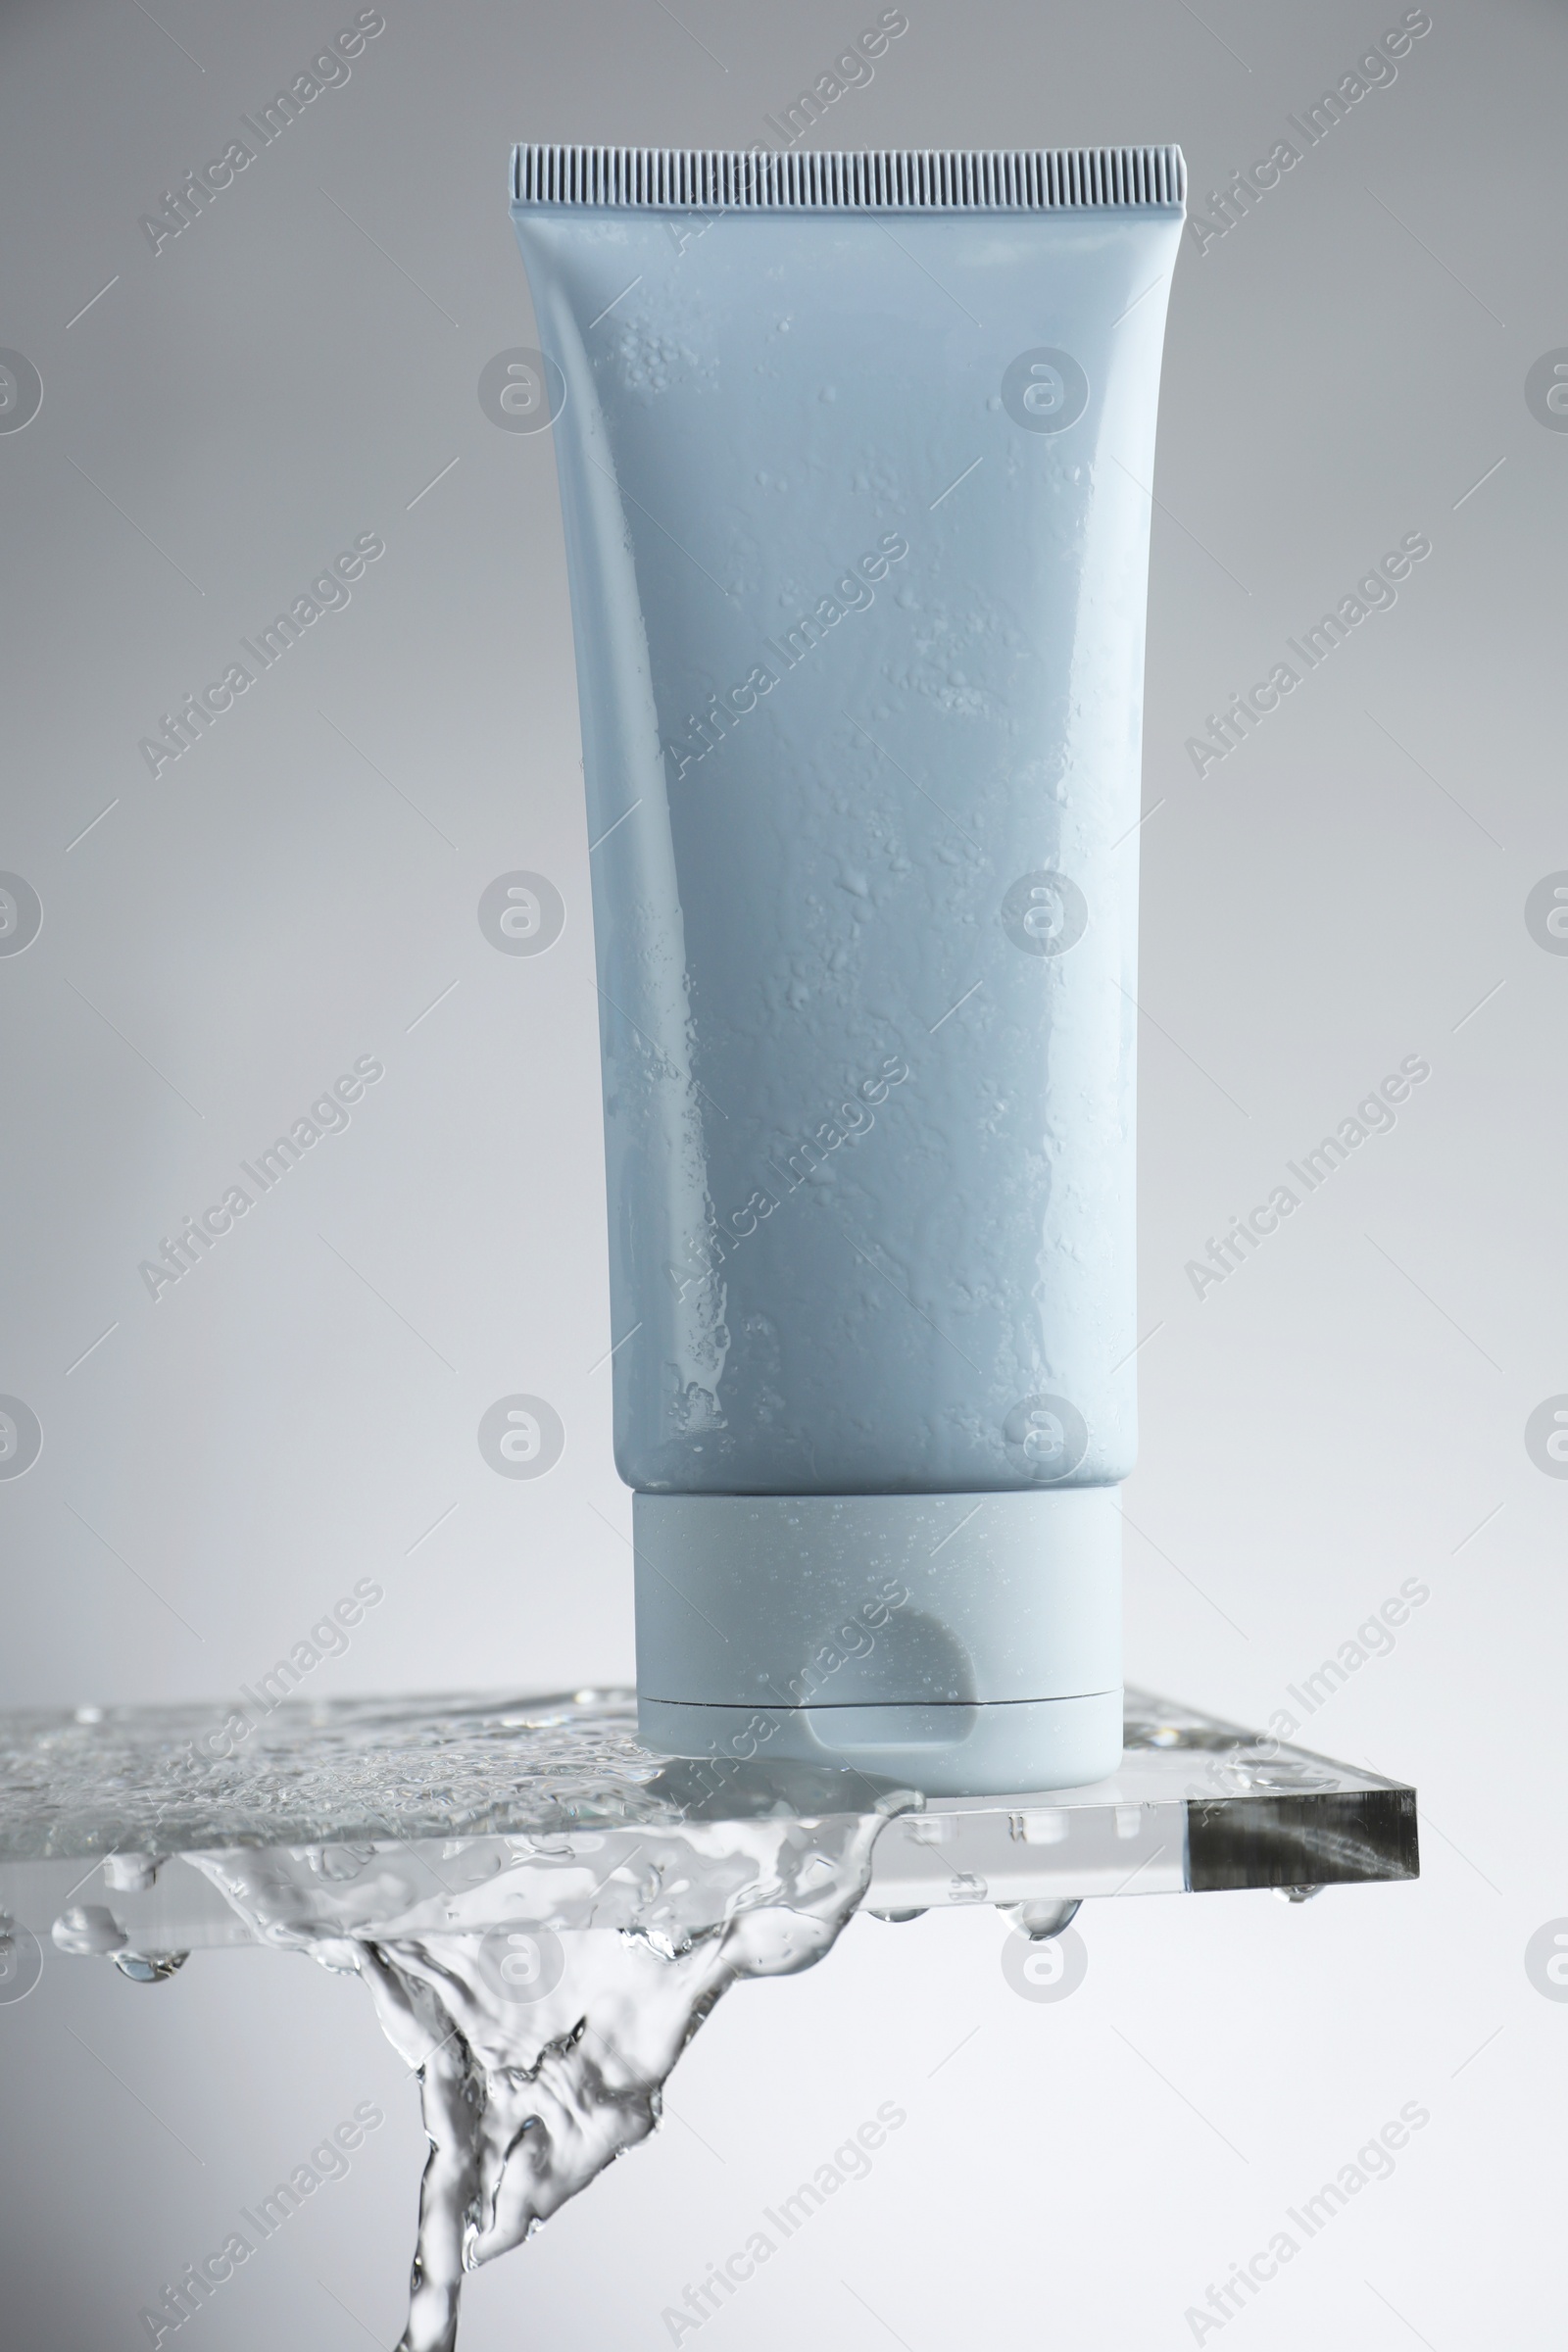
[542, 2040]
[521, 2116]
[544, 1912]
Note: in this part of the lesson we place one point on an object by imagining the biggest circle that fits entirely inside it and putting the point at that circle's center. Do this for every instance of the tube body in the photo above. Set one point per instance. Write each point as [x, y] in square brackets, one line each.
[856, 512]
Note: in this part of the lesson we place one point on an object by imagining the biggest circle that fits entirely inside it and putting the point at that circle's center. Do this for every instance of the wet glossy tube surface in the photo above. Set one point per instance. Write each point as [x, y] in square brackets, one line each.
[856, 512]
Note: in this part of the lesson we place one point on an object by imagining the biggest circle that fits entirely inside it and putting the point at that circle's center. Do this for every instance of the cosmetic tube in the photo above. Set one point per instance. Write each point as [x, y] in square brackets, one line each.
[854, 456]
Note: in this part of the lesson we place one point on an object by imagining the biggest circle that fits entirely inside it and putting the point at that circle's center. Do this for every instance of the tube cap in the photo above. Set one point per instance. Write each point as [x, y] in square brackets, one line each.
[959, 1644]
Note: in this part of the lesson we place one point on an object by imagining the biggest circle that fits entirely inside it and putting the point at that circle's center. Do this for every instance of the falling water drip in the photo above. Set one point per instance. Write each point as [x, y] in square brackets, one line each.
[541, 2048]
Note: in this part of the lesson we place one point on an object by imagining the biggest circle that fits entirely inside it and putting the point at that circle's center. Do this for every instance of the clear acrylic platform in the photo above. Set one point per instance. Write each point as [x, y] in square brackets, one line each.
[390, 1819]
[543, 1912]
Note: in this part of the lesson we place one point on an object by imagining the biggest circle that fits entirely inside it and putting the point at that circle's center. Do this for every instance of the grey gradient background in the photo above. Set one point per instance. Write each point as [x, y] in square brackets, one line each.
[1346, 1412]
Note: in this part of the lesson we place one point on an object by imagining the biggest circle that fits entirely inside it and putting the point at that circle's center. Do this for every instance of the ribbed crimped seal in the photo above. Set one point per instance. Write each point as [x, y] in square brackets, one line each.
[890, 179]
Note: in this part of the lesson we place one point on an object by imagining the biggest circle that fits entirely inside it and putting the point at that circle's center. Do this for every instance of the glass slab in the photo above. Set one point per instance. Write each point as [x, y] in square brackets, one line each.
[127, 1831]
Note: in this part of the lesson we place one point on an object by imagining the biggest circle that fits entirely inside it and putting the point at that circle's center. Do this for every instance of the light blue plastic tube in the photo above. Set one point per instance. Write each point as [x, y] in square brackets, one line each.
[855, 456]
